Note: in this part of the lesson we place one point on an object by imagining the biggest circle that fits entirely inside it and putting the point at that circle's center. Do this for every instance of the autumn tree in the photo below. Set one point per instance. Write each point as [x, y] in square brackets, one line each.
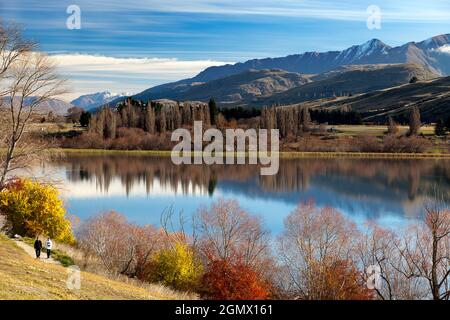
[315, 241]
[177, 267]
[104, 123]
[392, 127]
[227, 232]
[306, 119]
[213, 112]
[122, 247]
[414, 122]
[33, 209]
[150, 119]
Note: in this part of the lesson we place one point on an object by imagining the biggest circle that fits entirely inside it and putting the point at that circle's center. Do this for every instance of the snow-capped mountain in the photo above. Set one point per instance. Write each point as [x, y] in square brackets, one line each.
[432, 54]
[94, 100]
[365, 51]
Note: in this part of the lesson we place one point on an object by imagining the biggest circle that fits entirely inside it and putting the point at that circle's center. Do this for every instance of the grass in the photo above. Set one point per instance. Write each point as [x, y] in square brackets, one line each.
[341, 131]
[283, 154]
[23, 278]
[375, 130]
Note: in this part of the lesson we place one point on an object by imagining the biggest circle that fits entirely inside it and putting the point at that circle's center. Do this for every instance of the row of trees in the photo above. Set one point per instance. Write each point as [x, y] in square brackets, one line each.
[290, 120]
[321, 254]
[152, 117]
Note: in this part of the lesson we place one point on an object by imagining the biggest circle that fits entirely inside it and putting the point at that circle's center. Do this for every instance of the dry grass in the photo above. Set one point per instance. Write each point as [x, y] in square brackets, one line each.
[375, 130]
[23, 277]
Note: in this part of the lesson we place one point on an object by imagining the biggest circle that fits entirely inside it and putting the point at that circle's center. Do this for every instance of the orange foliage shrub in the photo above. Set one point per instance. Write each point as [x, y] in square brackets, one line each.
[226, 280]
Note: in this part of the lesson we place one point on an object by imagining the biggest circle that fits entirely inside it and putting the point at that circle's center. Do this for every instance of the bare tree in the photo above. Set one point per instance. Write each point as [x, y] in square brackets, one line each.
[227, 232]
[27, 79]
[414, 121]
[378, 248]
[426, 249]
[122, 247]
[392, 126]
[12, 46]
[314, 240]
[414, 264]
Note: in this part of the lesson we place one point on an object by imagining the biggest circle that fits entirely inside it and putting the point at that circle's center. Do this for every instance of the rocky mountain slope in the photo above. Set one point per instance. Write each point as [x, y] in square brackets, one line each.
[242, 87]
[350, 80]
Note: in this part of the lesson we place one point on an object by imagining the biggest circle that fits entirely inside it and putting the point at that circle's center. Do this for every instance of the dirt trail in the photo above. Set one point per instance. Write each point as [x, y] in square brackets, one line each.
[30, 250]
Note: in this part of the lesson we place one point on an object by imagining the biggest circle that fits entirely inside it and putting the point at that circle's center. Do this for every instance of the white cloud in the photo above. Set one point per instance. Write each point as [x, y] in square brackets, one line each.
[351, 10]
[92, 73]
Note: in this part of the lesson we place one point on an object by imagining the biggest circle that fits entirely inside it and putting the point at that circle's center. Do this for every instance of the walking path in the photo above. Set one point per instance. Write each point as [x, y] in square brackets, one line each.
[30, 250]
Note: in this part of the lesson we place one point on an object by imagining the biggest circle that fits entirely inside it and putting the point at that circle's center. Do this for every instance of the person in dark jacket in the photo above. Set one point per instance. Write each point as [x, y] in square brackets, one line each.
[38, 247]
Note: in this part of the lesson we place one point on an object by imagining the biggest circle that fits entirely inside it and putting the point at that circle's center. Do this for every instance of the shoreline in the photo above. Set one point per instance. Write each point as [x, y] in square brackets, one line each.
[282, 154]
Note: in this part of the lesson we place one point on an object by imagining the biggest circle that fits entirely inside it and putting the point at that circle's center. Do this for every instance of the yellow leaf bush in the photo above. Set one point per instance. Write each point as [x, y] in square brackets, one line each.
[32, 209]
[176, 267]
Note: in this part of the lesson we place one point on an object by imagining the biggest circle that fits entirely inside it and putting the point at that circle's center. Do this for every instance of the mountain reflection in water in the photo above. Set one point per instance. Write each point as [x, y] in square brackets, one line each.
[390, 191]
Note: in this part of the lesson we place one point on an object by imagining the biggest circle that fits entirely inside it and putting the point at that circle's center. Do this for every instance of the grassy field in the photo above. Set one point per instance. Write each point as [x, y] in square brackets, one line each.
[23, 277]
[373, 130]
[282, 154]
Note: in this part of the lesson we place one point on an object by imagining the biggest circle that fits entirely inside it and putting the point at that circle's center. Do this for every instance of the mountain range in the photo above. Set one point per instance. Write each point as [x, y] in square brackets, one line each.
[55, 106]
[295, 78]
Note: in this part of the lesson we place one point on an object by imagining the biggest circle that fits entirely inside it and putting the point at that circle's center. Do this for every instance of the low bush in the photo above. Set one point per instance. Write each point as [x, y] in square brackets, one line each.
[232, 280]
[176, 267]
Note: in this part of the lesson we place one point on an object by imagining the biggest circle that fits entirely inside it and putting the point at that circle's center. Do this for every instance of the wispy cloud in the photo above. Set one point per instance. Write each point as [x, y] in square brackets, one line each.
[91, 73]
[353, 10]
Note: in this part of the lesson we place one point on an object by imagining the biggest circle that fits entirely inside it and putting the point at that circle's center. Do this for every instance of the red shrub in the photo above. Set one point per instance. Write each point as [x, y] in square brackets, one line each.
[225, 280]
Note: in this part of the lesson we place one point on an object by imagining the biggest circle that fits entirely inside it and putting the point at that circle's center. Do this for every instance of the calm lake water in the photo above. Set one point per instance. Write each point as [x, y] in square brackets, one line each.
[141, 187]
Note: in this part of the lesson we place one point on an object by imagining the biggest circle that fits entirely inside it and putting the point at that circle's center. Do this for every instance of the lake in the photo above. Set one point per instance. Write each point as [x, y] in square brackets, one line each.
[389, 191]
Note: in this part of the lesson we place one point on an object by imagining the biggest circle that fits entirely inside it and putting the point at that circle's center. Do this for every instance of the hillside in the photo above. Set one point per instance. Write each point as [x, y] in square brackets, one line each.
[431, 97]
[350, 80]
[56, 106]
[431, 54]
[238, 88]
[23, 277]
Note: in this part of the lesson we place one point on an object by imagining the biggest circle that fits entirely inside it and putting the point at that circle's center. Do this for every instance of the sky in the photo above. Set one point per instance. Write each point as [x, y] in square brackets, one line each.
[131, 45]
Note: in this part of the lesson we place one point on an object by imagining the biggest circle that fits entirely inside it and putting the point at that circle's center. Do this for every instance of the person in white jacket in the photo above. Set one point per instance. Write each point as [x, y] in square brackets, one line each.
[49, 246]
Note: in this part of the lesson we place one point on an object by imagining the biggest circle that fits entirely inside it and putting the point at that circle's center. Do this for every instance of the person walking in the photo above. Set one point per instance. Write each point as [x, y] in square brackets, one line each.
[38, 247]
[49, 246]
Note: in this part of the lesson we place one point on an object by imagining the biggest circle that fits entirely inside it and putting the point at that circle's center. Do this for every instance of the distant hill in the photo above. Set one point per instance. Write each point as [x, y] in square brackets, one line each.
[433, 54]
[56, 106]
[432, 97]
[94, 100]
[348, 80]
[238, 88]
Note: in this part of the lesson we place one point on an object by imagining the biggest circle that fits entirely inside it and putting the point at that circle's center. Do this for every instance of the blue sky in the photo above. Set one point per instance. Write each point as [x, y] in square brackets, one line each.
[171, 39]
